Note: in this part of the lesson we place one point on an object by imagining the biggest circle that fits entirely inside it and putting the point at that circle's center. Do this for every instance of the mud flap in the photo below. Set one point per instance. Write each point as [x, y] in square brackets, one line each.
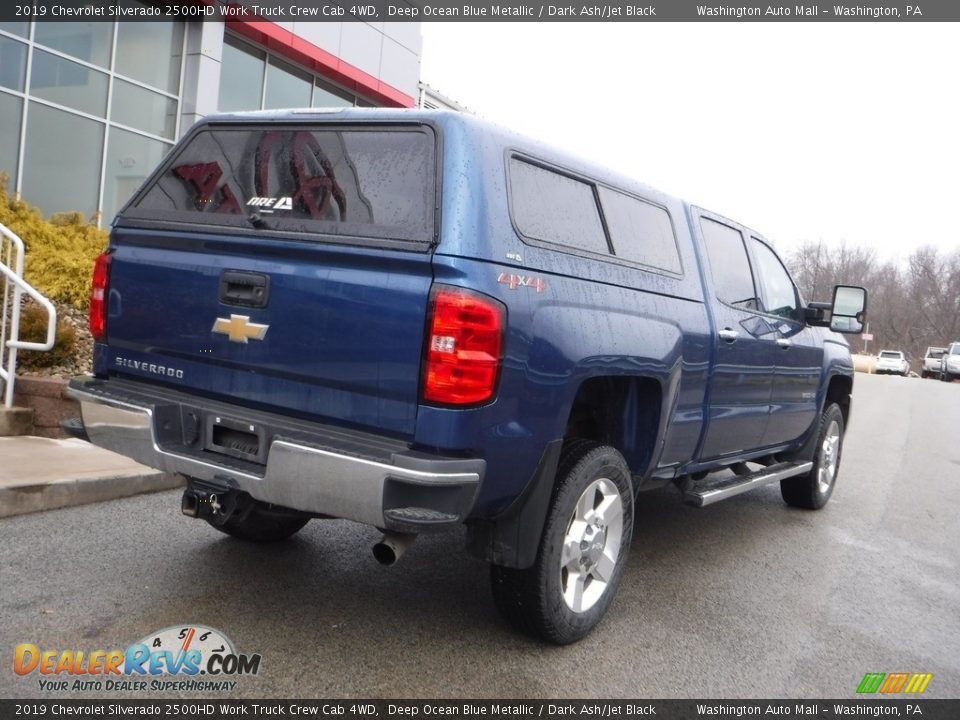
[512, 538]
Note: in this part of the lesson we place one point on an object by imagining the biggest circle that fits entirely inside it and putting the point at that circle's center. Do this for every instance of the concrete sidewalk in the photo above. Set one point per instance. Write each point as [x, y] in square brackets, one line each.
[42, 474]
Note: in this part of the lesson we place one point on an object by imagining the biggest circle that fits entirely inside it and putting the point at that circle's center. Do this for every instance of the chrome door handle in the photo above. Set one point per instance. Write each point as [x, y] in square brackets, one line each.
[729, 335]
[784, 343]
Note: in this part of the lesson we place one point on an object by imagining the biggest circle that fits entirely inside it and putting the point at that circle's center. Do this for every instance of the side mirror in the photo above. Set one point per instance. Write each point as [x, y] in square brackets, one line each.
[844, 315]
[848, 308]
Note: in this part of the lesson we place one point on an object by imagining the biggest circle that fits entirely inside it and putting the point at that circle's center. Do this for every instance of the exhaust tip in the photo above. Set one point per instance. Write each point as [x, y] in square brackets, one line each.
[392, 546]
[384, 554]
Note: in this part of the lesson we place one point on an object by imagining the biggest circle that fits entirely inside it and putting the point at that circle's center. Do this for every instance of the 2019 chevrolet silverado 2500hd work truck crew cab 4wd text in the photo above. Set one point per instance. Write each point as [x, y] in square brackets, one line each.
[415, 319]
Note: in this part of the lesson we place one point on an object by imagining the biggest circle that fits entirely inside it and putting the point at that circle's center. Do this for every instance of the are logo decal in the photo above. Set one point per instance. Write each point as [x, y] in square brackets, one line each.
[269, 204]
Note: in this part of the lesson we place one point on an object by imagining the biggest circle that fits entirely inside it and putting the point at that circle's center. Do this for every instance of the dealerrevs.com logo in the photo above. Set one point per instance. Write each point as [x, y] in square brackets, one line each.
[180, 658]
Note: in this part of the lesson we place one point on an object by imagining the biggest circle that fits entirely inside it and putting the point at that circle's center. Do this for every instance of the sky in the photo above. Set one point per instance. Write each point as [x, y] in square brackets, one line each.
[840, 132]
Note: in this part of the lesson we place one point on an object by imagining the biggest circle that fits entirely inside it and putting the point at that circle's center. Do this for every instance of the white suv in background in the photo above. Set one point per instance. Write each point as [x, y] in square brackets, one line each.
[950, 363]
[892, 362]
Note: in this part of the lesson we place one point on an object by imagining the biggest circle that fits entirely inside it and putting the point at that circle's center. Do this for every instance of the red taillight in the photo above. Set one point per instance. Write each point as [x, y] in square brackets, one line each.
[98, 297]
[464, 342]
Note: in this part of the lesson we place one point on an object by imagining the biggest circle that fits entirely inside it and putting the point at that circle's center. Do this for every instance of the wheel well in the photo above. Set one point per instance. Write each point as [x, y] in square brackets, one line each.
[622, 412]
[838, 391]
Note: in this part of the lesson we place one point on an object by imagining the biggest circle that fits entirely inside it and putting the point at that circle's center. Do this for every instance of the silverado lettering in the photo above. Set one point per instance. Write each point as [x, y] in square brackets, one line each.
[148, 367]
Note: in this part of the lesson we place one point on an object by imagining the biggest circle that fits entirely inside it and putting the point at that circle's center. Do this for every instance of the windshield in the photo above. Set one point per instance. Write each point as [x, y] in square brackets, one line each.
[890, 354]
[938, 352]
[955, 350]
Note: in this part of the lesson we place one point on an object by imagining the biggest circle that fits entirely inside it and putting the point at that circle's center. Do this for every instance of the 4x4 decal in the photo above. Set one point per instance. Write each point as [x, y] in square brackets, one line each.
[528, 281]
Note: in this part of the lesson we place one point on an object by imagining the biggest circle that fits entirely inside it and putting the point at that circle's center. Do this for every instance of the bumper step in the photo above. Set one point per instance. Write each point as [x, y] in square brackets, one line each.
[712, 490]
[74, 428]
[418, 517]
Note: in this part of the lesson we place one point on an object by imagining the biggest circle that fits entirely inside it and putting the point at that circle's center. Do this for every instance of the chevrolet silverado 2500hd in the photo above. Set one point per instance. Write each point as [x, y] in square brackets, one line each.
[415, 319]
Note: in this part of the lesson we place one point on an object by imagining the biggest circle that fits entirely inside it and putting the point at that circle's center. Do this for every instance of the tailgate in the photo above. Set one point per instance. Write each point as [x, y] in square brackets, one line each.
[285, 268]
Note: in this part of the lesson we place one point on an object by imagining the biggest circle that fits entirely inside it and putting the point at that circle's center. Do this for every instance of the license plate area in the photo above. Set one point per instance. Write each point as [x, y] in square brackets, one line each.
[236, 438]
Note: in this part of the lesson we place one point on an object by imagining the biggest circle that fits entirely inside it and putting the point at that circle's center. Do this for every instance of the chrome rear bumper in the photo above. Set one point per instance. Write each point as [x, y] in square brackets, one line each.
[316, 478]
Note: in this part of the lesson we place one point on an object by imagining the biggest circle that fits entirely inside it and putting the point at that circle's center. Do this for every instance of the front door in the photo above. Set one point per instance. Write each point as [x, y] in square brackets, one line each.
[799, 356]
[739, 405]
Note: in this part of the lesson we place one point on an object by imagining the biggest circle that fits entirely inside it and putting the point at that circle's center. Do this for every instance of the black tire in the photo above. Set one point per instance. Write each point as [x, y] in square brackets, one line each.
[533, 600]
[813, 490]
[260, 523]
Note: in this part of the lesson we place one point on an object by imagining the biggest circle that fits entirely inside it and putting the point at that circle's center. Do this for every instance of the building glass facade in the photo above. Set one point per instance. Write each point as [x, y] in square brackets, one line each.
[88, 110]
[253, 79]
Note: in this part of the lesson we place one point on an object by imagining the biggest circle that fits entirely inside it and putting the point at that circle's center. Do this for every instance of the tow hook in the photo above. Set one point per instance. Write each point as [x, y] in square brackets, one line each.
[392, 546]
[200, 504]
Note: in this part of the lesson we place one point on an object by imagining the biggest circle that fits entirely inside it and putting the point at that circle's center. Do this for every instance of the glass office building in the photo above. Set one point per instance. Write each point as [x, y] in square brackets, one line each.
[87, 110]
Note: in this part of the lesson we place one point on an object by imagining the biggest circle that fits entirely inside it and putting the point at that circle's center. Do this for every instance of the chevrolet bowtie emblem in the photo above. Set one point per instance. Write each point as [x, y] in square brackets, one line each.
[239, 328]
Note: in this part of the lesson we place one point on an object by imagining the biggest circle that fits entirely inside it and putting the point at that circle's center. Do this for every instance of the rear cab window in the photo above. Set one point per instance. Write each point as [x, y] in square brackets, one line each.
[301, 180]
[729, 265]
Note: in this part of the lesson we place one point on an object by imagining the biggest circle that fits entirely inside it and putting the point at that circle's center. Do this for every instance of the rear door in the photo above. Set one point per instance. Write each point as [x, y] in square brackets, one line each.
[285, 267]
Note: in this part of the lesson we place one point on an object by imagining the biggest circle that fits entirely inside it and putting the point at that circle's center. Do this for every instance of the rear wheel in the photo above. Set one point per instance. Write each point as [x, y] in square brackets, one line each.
[813, 490]
[583, 550]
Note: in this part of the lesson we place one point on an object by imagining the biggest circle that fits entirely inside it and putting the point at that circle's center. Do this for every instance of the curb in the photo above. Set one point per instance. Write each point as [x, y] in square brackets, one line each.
[51, 495]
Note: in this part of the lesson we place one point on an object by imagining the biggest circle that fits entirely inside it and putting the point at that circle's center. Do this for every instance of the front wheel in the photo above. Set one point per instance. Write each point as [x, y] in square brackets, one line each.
[583, 550]
[813, 490]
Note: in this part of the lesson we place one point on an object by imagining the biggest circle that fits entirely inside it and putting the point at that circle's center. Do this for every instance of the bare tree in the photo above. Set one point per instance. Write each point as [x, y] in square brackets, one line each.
[910, 307]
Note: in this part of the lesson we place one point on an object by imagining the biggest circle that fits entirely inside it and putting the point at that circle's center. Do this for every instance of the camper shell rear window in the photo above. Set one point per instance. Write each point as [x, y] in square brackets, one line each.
[356, 181]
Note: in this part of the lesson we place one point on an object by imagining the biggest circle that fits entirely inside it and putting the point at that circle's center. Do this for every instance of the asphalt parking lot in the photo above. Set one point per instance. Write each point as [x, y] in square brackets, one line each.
[747, 598]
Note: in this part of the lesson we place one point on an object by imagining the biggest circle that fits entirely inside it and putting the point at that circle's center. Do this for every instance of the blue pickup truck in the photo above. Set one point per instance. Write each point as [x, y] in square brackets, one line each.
[416, 319]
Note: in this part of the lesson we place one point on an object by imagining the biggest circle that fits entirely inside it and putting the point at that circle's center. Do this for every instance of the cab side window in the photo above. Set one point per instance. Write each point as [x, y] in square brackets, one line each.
[640, 231]
[779, 293]
[556, 208]
[729, 265]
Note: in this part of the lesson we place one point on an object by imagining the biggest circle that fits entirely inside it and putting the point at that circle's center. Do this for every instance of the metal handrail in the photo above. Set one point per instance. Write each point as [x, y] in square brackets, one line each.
[11, 267]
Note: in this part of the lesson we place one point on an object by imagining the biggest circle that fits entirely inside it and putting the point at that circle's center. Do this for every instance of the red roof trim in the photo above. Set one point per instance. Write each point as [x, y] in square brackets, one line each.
[285, 43]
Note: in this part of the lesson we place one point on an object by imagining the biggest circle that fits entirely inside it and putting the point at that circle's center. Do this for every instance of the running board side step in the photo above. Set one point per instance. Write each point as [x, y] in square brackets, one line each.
[710, 491]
